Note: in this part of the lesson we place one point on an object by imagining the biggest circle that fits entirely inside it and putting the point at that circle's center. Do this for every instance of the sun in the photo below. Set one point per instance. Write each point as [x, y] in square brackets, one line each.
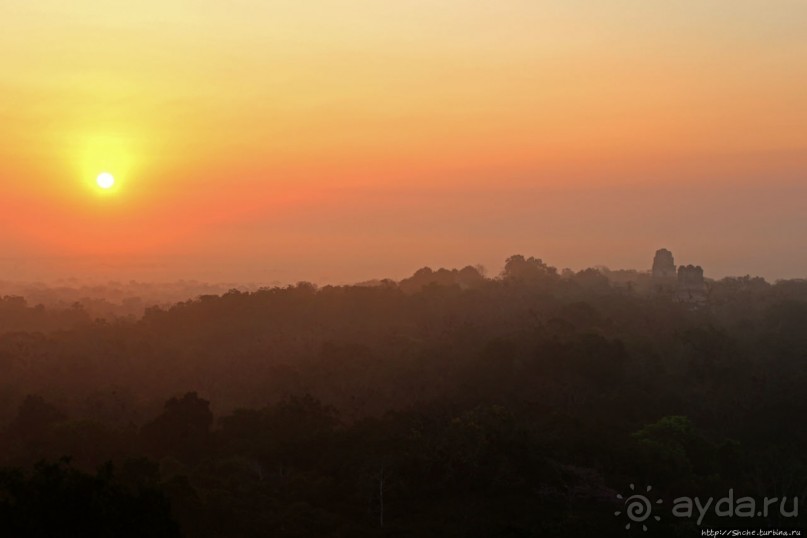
[105, 180]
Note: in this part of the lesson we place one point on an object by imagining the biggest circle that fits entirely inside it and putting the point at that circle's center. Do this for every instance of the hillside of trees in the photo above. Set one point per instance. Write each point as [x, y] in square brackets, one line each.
[448, 404]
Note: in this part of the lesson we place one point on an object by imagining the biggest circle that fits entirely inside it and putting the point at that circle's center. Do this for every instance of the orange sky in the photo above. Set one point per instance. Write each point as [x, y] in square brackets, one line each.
[343, 140]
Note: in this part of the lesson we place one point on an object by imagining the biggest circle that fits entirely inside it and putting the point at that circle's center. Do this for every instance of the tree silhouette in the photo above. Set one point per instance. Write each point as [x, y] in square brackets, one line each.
[182, 430]
[57, 500]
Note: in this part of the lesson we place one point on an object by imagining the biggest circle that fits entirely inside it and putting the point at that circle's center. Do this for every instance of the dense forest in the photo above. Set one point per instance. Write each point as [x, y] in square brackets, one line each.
[448, 404]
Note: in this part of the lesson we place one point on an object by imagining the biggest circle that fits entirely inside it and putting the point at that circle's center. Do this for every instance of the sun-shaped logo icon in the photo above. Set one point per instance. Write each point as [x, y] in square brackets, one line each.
[638, 507]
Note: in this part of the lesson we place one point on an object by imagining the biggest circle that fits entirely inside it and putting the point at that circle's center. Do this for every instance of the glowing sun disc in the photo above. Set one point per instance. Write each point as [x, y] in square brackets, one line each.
[105, 180]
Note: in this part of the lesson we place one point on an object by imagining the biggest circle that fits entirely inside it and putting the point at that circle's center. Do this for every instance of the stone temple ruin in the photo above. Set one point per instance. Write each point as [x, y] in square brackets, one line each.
[691, 286]
[686, 285]
[664, 275]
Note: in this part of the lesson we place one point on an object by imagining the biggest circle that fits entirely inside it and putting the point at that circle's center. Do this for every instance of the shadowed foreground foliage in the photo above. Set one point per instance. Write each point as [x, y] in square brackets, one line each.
[58, 500]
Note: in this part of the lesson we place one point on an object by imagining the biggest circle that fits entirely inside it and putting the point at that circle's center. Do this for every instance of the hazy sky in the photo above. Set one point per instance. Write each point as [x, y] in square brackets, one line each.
[344, 140]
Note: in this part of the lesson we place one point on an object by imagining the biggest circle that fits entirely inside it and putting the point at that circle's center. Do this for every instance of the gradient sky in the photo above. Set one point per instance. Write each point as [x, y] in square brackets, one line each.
[337, 141]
